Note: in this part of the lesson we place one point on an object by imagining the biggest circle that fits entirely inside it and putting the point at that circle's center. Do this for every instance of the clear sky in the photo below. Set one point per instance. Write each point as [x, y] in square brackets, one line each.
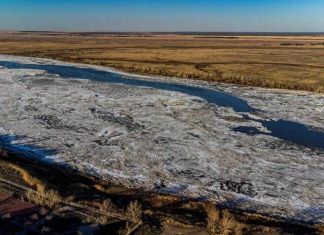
[163, 15]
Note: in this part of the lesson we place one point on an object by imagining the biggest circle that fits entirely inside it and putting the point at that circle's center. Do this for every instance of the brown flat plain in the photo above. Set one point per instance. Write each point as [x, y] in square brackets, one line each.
[290, 62]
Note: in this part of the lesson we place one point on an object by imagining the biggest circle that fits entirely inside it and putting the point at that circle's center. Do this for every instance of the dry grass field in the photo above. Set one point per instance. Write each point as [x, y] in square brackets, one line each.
[291, 62]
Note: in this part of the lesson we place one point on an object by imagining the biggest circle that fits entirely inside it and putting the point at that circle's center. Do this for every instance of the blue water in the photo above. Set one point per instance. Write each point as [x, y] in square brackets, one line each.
[295, 132]
[212, 96]
[291, 131]
[286, 130]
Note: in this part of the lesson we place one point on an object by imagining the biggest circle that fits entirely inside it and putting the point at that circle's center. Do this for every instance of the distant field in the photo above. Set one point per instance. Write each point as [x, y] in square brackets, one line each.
[280, 61]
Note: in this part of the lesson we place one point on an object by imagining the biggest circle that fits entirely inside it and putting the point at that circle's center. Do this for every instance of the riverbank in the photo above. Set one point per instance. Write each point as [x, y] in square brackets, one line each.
[273, 61]
[77, 201]
[167, 141]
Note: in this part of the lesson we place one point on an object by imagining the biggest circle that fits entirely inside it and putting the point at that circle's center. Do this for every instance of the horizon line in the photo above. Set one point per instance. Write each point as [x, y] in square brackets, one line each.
[179, 31]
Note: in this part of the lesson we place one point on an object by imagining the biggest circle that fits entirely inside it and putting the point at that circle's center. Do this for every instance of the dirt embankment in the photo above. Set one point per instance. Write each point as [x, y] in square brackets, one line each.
[53, 187]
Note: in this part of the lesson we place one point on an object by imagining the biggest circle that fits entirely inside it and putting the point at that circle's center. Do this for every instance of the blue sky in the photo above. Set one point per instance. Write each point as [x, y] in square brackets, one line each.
[163, 15]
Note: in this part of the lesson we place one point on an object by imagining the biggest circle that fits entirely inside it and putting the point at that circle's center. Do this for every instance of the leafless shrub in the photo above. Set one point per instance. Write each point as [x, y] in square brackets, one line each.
[106, 206]
[213, 216]
[47, 199]
[100, 219]
[134, 211]
[222, 221]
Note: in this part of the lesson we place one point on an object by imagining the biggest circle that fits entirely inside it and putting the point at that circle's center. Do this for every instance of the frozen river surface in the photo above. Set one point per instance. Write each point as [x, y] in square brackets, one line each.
[248, 148]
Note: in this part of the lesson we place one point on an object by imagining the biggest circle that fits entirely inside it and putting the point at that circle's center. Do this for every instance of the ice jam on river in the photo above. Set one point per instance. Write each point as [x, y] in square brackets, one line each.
[252, 149]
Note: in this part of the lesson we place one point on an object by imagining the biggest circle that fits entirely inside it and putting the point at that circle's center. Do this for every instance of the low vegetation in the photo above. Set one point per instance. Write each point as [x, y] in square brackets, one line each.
[48, 199]
[222, 221]
[289, 62]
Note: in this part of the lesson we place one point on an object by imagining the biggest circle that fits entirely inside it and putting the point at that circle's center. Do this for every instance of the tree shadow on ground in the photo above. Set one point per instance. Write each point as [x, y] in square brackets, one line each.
[15, 144]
